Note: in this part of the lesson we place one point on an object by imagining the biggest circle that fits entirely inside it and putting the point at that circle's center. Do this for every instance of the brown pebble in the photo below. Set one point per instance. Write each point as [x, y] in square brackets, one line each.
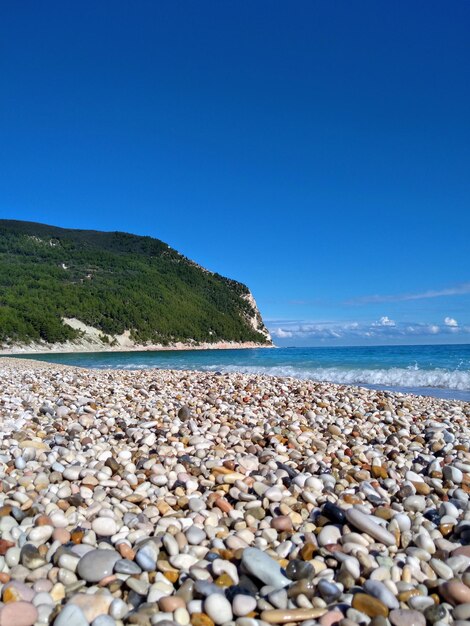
[5, 545]
[169, 604]
[282, 523]
[307, 551]
[369, 605]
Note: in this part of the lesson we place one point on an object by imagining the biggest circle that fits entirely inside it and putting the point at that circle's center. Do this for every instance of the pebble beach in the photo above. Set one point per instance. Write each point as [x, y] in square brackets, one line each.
[191, 498]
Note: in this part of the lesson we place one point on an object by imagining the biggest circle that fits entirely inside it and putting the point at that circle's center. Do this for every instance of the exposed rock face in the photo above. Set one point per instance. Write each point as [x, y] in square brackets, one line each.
[256, 320]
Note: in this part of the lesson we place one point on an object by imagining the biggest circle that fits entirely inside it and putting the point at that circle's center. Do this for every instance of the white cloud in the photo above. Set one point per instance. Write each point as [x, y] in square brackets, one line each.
[384, 321]
[281, 333]
[457, 290]
[384, 328]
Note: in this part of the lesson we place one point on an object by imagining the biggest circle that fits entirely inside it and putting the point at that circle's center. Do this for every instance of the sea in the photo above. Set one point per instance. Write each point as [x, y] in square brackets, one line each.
[442, 371]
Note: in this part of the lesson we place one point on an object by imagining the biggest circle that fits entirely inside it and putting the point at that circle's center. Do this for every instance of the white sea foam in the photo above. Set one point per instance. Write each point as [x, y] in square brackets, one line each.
[392, 377]
[411, 377]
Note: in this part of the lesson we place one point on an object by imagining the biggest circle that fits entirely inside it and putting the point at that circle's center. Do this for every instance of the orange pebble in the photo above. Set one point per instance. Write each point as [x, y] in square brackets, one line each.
[126, 551]
[223, 504]
[77, 535]
[172, 576]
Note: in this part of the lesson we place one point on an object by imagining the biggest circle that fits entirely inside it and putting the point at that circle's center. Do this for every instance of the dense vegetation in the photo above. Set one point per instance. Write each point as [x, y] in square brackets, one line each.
[113, 282]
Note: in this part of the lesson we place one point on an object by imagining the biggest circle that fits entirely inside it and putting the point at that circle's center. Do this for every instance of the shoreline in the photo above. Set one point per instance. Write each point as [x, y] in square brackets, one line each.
[38, 364]
[76, 348]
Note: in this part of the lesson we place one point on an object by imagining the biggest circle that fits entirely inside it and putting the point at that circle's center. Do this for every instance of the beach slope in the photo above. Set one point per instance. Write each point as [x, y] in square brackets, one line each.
[202, 498]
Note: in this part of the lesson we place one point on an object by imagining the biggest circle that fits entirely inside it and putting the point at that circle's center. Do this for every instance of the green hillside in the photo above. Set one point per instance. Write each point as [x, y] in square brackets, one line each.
[113, 282]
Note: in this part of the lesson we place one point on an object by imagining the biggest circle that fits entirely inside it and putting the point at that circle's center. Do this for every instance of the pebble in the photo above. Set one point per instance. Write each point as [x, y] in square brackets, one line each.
[218, 608]
[331, 618]
[329, 535]
[265, 568]
[243, 604]
[103, 620]
[369, 605]
[366, 524]
[97, 564]
[455, 592]
[104, 526]
[71, 615]
[278, 616]
[404, 617]
[18, 614]
[380, 591]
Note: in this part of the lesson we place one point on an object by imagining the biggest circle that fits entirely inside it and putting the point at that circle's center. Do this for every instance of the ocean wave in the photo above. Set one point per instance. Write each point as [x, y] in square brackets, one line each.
[392, 377]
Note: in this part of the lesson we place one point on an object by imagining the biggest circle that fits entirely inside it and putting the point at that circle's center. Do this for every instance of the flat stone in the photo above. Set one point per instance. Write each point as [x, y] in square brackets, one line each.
[405, 617]
[279, 616]
[381, 592]
[264, 568]
[367, 525]
[125, 566]
[97, 564]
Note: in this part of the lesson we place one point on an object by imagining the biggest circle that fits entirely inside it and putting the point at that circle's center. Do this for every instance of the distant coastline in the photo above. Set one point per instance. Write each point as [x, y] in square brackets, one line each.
[72, 347]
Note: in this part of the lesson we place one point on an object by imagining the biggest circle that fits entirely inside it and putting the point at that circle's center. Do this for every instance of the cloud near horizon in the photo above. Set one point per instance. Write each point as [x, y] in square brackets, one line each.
[382, 328]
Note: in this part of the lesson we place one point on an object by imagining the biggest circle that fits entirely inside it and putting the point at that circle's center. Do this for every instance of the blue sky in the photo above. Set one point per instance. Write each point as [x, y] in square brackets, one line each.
[317, 151]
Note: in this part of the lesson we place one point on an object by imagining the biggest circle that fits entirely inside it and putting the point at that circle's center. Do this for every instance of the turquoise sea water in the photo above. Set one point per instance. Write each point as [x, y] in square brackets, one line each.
[442, 371]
